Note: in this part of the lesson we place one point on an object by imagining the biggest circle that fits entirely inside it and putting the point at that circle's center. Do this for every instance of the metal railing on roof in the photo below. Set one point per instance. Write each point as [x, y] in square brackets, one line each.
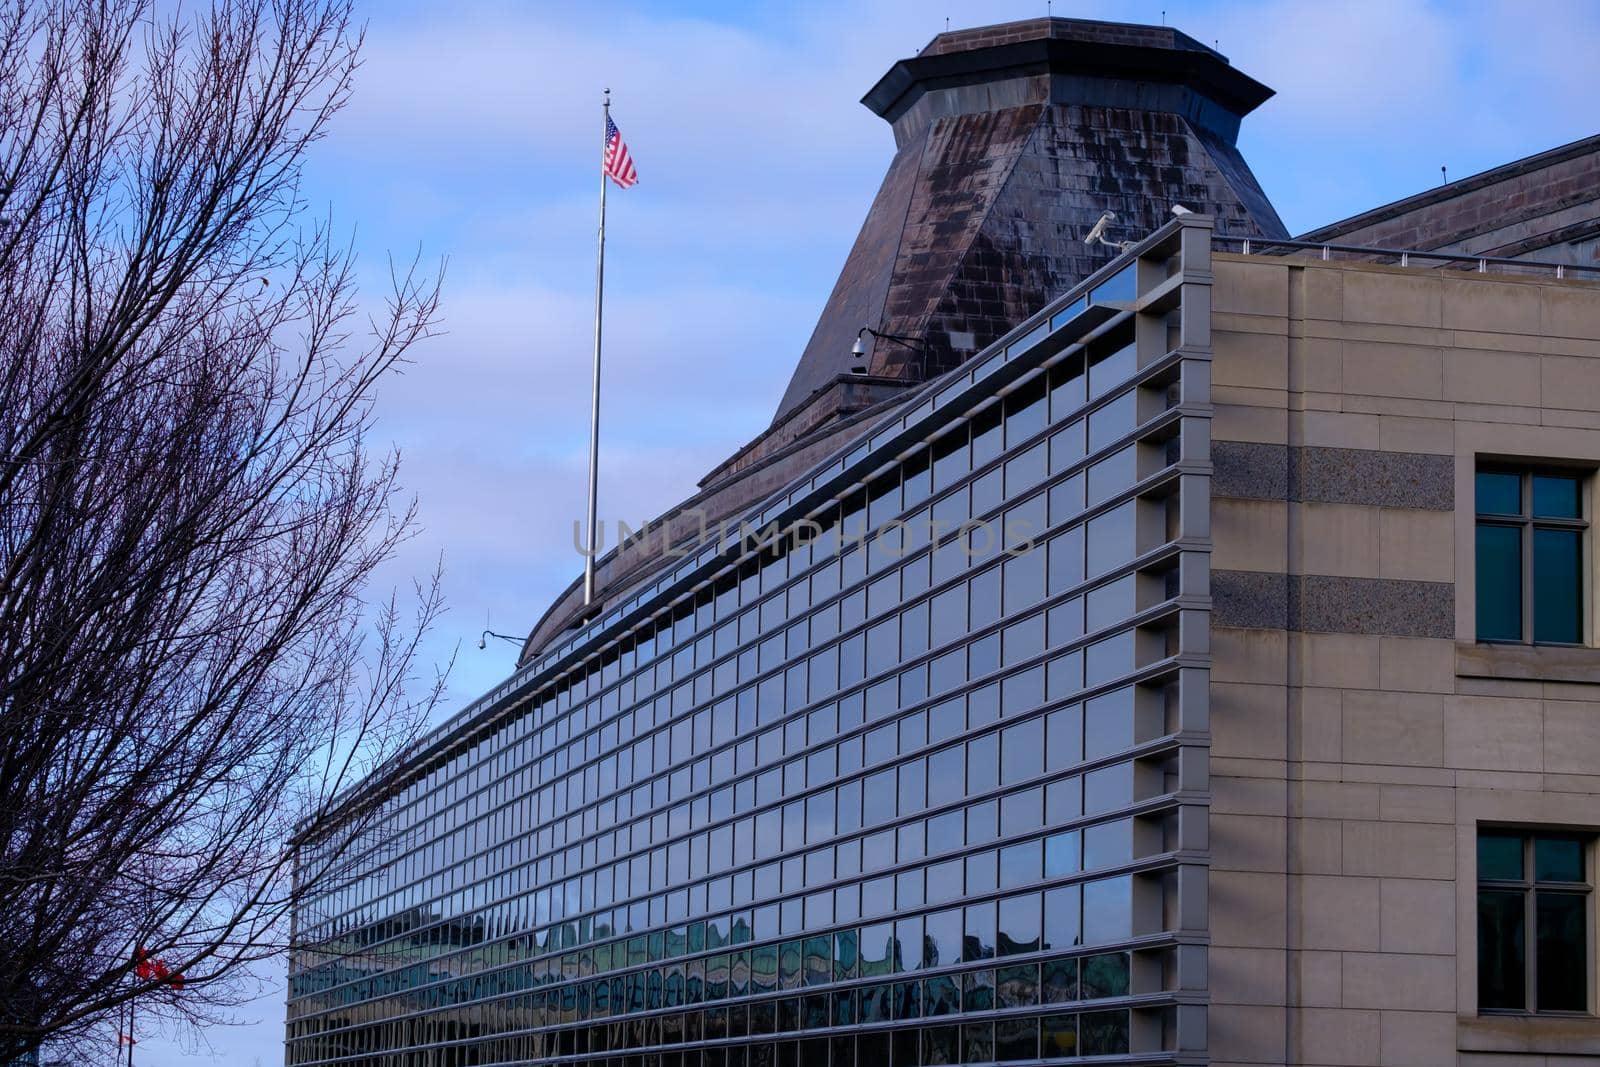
[1402, 257]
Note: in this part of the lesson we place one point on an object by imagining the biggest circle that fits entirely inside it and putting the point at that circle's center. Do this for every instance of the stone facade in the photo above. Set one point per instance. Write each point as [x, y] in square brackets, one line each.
[1360, 734]
[1545, 207]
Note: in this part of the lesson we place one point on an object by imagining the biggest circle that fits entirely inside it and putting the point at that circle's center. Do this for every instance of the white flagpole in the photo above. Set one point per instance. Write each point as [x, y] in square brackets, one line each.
[594, 410]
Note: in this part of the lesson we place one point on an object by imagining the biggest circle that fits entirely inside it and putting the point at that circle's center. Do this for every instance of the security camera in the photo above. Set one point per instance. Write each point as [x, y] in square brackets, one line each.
[1098, 232]
[1180, 210]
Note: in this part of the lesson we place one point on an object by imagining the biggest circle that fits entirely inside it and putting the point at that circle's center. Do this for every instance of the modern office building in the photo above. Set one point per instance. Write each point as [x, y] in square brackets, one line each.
[1172, 649]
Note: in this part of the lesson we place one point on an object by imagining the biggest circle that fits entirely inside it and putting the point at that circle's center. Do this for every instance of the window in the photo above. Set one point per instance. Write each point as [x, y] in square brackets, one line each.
[1530, 548]
[1533, 922]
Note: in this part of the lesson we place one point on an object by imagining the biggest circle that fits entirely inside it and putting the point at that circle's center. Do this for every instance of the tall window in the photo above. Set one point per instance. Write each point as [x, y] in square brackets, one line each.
[1533, 922]
[1530, 550]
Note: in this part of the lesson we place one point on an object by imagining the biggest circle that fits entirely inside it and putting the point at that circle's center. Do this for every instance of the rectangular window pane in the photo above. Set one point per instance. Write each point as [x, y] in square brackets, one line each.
[1557, 593]
[1499, 583]
[1558, 859]
[1500, 857]
[1560, 954]
[1501, 949]
[1499, 493]
[1555, 497]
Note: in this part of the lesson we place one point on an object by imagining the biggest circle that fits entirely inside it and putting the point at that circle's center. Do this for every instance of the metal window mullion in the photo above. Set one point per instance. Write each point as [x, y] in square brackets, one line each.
[1530, 920]
[1526, 527]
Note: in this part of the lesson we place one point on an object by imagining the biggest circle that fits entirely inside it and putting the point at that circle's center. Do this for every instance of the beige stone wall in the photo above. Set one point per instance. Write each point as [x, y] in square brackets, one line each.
[1356, 749]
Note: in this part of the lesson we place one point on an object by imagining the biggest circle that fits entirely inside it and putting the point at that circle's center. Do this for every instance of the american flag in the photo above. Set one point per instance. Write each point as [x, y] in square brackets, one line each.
[618, 164]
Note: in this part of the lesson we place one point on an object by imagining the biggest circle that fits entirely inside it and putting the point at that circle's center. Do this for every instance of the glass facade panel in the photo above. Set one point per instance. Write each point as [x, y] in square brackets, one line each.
[759, 798]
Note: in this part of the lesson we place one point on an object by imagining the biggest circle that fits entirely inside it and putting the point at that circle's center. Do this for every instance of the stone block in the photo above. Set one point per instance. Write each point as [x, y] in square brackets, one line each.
[1248, 721]
[1493, 306]
[1400, 849]
[1404, 433]
[1335, 429]
[1244, 288]
[1335, 912]
[1417, 664]
[1338, 800]
[1417, 1039]
[1495, 734]
[1247, 909]
[1417, 544]
[1403, 982]
[1249, 535]
[1249, 360]
[1397, 728]
[1571, 737]
[1403, 299]
[1247, 842]
[1316, 846]
[1480, 377]
[1316, 979]
[1417, 803]
[1417, 915]
[1338, 539]
[1248, 655]
[1318, 714]
[1570, 381]
[1335, 1036]
[1377, 369]
[1246, 975]
[1571, 311]
[1348, 661]
[1245, 1033]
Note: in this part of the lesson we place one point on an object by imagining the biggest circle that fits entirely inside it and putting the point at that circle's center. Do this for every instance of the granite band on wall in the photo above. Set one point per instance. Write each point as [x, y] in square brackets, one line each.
[1321, 603]
[1252, 471]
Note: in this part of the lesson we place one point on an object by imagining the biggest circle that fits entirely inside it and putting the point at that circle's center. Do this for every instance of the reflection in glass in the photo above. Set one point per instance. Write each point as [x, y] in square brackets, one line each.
[1104, 1033]
[1501, 949]
[1499, 857]
[1555, 859]
[1562, 923]
[1554, 496]
[1557, 586]
[1019, 924]
[1499, 592]
[1499, 493]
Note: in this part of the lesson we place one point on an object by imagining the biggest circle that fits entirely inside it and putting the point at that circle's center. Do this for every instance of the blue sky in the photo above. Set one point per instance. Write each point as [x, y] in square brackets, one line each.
[474, 136]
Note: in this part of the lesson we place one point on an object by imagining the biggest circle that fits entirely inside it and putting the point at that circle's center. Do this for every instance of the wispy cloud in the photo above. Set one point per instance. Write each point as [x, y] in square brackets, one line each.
[474, 132]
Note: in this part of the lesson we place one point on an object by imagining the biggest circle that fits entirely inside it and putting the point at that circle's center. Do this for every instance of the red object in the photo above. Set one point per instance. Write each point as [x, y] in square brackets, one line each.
[147, 969]
[617, 164]
[125, 1039]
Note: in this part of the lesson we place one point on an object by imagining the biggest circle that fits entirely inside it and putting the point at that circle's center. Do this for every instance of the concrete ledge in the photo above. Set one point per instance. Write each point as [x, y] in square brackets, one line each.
[1557, 1035]
[1542, 663]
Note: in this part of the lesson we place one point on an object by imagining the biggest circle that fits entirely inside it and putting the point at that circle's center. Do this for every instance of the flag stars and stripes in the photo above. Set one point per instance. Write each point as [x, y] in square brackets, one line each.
[618, 163]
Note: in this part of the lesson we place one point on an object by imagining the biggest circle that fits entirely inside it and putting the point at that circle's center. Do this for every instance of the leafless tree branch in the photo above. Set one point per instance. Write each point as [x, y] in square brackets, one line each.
[190, 511]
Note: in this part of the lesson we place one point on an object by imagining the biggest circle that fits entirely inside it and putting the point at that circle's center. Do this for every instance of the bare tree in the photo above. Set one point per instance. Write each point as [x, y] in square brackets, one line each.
[189, 511]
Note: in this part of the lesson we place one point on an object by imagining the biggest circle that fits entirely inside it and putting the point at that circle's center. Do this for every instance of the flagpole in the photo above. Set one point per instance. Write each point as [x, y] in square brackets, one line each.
[594, 409]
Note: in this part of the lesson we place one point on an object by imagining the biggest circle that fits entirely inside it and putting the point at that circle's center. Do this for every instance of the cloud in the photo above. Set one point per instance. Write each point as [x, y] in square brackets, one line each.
[474, 132]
